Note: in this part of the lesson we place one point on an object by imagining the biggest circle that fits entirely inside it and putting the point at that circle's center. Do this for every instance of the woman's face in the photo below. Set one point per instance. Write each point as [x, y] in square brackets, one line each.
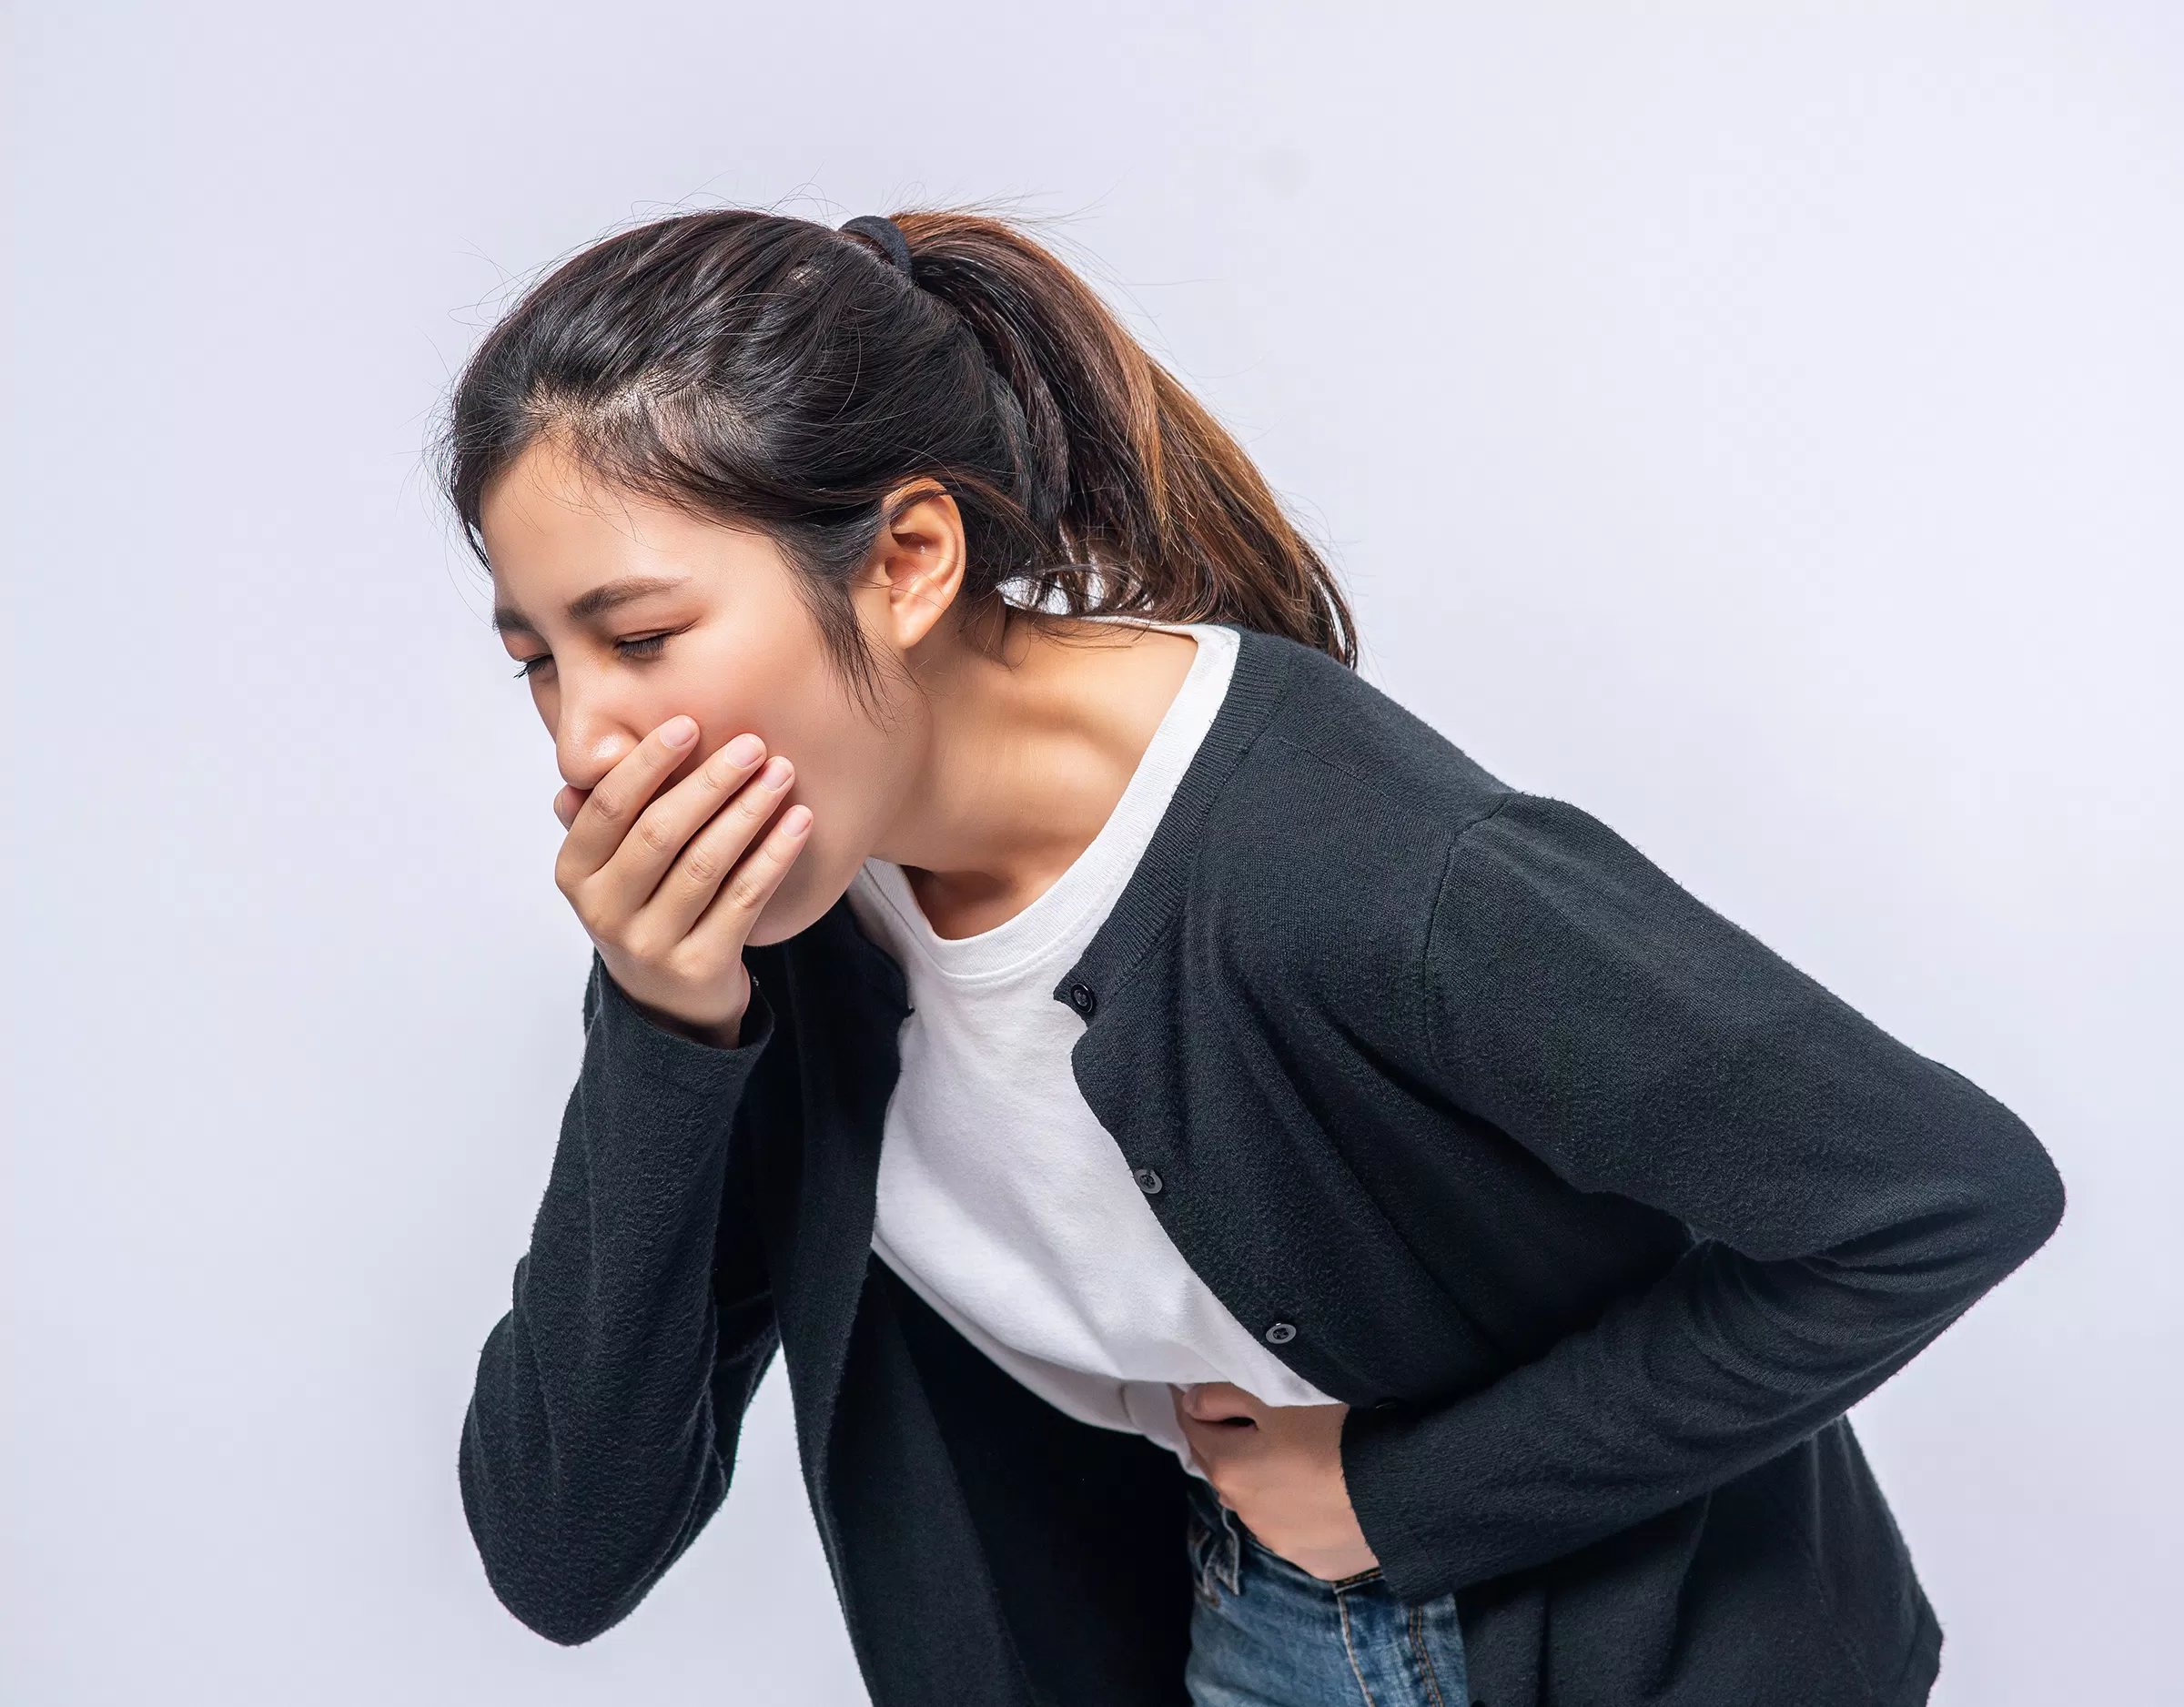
[626, 610]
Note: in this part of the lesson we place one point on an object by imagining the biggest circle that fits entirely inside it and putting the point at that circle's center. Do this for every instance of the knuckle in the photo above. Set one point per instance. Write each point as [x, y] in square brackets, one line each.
[703, 865]
[753, 808]
[687, 965]
[745, 889]
[656, 836]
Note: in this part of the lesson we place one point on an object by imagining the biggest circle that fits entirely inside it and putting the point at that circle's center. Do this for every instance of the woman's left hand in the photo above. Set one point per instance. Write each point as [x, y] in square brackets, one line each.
[1279, 1469]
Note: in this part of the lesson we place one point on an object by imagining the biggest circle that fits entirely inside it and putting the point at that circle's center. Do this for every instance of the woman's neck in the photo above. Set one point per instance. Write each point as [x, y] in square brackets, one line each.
[1028, 748]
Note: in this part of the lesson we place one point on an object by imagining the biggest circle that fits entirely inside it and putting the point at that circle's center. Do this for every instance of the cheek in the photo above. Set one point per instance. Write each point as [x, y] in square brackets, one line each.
[838, 773]
[836, 843]
[791, 703]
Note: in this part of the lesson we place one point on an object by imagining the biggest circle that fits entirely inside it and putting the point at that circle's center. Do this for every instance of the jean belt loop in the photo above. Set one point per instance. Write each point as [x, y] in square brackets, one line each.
[1229, 1552]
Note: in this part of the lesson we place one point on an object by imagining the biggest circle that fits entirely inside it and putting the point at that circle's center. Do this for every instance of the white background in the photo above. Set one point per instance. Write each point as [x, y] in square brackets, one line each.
[1760, 424]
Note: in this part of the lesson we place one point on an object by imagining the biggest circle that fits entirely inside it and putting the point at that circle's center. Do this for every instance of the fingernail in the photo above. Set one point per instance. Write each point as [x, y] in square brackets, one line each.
[796, 821]
[745, 750]
[678, 732]
[776, 772]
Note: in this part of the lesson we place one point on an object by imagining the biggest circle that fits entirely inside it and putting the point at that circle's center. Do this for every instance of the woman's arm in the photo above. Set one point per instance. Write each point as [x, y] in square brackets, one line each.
[1850, 1198]
[603, 1429]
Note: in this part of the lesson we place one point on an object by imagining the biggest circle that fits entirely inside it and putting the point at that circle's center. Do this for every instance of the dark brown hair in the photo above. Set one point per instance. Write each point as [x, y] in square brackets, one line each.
[783, 376]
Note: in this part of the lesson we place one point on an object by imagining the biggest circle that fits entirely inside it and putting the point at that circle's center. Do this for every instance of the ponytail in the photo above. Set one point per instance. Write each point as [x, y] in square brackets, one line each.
[781, 375]
[1139, 480]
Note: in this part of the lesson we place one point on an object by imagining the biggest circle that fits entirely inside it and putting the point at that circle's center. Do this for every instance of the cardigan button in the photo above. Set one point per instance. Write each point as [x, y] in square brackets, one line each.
[1149, 1181]
[1281, 1334]
[1082, 999]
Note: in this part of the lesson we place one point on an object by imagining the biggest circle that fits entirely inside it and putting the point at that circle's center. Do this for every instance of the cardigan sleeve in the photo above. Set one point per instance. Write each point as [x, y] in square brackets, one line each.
[602, 1427]
[1848, 1198]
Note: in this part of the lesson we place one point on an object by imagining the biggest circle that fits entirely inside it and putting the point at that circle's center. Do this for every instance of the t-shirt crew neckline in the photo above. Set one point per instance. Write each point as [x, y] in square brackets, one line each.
[1089, 884]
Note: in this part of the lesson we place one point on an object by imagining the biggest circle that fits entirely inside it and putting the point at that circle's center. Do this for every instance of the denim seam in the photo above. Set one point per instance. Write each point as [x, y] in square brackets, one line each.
[1425, 1659]
[1350, 1648]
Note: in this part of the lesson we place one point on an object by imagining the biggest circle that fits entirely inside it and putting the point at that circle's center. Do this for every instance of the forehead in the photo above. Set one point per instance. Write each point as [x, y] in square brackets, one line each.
[564, 545]
[546, 508]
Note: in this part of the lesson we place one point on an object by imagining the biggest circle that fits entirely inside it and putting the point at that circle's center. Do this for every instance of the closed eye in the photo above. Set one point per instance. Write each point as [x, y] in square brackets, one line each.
[642, 647]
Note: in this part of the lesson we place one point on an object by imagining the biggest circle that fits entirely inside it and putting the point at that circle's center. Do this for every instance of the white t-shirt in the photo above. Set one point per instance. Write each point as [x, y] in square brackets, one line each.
[1003, 1202]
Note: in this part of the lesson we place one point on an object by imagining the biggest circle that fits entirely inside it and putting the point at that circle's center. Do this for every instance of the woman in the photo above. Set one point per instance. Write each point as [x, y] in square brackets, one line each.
[1255, 1210]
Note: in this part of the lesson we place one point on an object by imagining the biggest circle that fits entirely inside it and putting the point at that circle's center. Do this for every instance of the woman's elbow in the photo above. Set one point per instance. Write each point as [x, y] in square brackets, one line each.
[561, 1584]
[566, 1618]
[2019, 1196]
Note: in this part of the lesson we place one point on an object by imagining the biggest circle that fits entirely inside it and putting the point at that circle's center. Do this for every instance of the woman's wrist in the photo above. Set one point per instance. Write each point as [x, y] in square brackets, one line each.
[722, 1035]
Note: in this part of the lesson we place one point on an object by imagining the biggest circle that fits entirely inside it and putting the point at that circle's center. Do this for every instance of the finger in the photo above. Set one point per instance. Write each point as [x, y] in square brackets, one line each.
[626, 884]
[1225, 1436]
[1222, 1401]
[1222, 1453]
[1223, 1457]
[1205, 1444]
[567, 801]
[696, 877]
[605, 817]
[725, 924]
[1206, 1454]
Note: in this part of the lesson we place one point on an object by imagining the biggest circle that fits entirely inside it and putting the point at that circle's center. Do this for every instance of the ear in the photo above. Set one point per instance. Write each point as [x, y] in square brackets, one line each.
[917, 567]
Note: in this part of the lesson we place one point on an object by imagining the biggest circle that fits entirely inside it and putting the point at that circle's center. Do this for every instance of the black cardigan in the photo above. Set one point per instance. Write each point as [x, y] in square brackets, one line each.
[1597, 1213]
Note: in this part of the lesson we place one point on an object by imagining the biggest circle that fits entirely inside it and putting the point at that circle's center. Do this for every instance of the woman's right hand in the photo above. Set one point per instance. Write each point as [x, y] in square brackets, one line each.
[669, 889]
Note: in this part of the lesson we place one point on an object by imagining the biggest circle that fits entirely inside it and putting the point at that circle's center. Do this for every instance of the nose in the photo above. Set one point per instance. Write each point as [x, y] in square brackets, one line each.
[590, 740]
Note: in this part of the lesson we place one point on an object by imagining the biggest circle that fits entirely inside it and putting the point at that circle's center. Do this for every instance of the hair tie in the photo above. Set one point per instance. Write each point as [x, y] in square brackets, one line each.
[886, 234]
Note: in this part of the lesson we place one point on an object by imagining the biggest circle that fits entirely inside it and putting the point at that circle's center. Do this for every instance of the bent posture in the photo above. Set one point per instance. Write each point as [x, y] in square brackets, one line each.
[1256, 1209]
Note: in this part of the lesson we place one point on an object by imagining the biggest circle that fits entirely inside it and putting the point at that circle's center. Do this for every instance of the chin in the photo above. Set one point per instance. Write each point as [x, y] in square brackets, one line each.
[795, 907]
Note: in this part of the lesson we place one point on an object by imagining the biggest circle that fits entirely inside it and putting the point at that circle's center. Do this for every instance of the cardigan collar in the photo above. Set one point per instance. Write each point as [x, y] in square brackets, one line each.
[1148, 900]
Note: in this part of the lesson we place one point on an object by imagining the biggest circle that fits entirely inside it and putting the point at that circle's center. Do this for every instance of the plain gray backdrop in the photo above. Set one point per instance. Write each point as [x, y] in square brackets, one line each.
[1759, 424]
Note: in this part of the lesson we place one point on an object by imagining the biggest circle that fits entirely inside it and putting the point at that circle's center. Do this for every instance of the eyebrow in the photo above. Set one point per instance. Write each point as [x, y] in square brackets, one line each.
[603, 597]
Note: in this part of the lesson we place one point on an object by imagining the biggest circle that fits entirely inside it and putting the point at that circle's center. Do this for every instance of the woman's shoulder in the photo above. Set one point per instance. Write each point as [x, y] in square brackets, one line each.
[1327, 844]
[1338, 752]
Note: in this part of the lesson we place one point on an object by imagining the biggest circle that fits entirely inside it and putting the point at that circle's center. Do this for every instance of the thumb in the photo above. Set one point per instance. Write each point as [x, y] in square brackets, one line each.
[1219, 1401]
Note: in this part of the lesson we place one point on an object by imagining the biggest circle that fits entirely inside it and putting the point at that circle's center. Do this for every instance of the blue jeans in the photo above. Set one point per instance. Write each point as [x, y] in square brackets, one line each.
[1264, 1633]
